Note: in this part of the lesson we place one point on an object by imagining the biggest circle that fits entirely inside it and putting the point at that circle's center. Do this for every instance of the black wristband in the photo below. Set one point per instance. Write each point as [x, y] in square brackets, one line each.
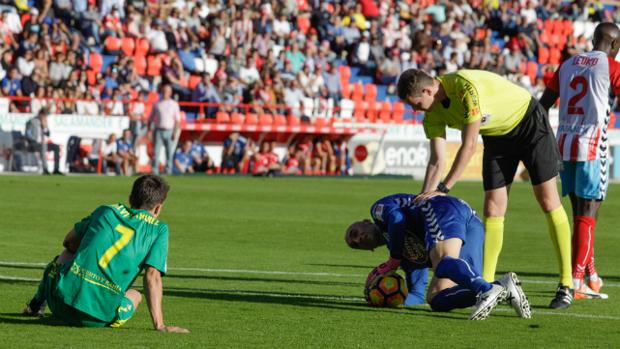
[442, 188]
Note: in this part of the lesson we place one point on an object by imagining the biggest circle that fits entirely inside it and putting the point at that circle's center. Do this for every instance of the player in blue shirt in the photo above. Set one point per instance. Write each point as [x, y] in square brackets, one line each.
[443, 233]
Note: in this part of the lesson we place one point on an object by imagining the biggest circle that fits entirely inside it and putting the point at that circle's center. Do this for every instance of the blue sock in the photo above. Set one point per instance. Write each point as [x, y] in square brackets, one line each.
[462, 274]
[453, 298]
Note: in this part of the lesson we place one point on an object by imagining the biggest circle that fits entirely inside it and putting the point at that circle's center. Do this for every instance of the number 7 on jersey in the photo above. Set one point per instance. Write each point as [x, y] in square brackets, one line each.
[126, 235]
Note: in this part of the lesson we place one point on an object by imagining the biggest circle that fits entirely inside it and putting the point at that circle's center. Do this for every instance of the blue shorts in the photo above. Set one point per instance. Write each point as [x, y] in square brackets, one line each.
[587, 179]
[448, 218]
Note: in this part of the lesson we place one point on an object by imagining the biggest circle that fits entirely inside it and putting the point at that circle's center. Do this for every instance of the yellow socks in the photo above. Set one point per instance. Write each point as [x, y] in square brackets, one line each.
[493, 239]
[559, 231]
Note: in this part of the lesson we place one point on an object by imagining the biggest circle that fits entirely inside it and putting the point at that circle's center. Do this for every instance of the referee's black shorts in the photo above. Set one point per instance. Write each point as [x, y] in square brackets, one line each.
[531, 141]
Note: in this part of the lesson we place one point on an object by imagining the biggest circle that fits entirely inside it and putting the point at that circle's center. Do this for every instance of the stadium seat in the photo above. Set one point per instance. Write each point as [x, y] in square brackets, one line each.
[140, 64]
[532, 71]
[128, 45]
[543, 55]
[112, 45]
[251, 119]
[357, 94]
[142, 47]
[153, 66]
[346, 108]
[279, 119]
[265, 119]
[371, 92]
[95, 61]
[548, 25]
[184, 81]
[222, 117]
[385, 112]
[345, 89]
[293, 120]
[398, 112]
[194, 80]
[236, 118]
[345, 72]
[558, 27]
[303, 23]
[555, 56]
[91, 76]
[153, 97]
[568, 27]
[320, 122]
[107, 60]
[371, 110]
[359, 111]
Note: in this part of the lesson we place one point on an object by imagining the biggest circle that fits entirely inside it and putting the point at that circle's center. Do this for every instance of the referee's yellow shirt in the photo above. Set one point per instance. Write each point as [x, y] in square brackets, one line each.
[477, 95]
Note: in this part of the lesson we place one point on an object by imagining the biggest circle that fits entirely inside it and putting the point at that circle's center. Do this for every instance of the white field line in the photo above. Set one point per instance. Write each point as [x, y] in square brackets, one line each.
[273, 272]
[343, 298]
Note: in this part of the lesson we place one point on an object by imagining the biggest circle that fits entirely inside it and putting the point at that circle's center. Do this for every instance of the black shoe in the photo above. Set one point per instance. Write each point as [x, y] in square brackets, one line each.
[46, 173]
[563, 298]
[58, 173]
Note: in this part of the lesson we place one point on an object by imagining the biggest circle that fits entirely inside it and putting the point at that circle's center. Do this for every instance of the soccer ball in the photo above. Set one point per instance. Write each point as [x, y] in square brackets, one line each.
[387, 291]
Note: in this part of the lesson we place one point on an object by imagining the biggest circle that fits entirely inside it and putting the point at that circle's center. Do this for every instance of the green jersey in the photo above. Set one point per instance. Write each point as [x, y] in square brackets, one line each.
[477, 95]
[117, 243]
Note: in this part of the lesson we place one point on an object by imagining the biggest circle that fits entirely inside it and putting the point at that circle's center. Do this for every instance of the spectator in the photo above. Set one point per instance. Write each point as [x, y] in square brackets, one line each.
[201, 161]
[183, 159]
[38, 133]
[137, 116]
[332, 82]
[11, 84]
[266, 162]
[128, 158]
[164, 121]
[233, 152]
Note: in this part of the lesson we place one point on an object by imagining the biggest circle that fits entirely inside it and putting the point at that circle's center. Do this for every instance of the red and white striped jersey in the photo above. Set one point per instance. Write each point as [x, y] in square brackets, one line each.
[587, 84]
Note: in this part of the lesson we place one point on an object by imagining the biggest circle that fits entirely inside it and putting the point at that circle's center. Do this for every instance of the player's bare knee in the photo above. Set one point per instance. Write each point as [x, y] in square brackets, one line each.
[134, 296]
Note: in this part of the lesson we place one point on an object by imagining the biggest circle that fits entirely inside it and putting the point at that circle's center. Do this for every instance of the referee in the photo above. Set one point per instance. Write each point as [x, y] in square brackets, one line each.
[514, 127]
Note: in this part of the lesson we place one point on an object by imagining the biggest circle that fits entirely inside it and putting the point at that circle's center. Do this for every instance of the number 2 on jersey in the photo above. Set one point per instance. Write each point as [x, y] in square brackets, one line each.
[126, 235]
[580, 84]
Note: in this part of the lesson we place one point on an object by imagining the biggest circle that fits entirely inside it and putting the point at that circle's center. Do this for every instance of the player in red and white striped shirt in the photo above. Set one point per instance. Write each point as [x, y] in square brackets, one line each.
[586, 84]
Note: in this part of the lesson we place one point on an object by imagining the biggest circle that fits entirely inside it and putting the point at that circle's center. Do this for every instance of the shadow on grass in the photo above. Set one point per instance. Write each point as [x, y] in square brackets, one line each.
[19, 319]
[258, 279]
[302, 300]
[369, 267]
[552, 275]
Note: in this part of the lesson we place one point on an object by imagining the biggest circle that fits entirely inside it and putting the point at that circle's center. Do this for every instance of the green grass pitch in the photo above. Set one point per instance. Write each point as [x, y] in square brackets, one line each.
[262, 263]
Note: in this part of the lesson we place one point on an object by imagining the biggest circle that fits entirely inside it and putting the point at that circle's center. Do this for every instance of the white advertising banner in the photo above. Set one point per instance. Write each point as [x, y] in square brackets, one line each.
[61, 126]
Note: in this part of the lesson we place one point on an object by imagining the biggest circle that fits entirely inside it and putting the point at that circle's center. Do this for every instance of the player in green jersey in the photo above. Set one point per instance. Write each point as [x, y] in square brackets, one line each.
[514, 127]
[89, 283]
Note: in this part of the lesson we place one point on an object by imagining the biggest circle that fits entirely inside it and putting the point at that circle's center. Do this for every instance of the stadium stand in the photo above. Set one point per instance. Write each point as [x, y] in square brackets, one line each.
[254, 50]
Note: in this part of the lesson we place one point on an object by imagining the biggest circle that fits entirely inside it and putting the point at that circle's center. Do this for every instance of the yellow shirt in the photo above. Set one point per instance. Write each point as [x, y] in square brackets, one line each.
[477, 95]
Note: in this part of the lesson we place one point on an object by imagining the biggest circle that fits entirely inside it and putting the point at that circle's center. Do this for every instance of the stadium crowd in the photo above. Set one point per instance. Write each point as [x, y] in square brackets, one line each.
[111, 56]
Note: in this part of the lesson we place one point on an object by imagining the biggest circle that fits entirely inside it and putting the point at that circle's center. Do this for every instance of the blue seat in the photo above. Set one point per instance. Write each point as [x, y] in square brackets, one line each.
[107, 60]
[381, 92]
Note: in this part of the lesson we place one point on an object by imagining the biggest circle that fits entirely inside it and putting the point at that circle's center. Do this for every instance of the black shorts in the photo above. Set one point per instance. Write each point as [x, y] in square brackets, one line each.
[531, 141]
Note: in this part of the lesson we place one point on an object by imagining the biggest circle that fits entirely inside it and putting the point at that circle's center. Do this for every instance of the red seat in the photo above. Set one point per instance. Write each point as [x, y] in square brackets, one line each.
[222, 117]
[532, 71]
[153, 97]
[303, 24]
[371, 110]
[359, 111]
[555, 56]
[293, 120]
[558, 27]
[251, 119]
[279, 119]
[236, 118]
[543, 55]
[112, 44]
[385, 112]
[142, 47]
[398, 112]
[265, 119]
[568, 27]
[345, 72]
[140, 64]
[128, 45]
[345, 89]
[95, 62]
[91, 75]
[371, 92]
[320, 122]
[153, 66]
[358, 92]
[194, 80]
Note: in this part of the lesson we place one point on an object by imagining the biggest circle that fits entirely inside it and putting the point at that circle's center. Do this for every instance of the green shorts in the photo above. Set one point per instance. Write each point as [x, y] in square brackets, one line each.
[71, 315]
